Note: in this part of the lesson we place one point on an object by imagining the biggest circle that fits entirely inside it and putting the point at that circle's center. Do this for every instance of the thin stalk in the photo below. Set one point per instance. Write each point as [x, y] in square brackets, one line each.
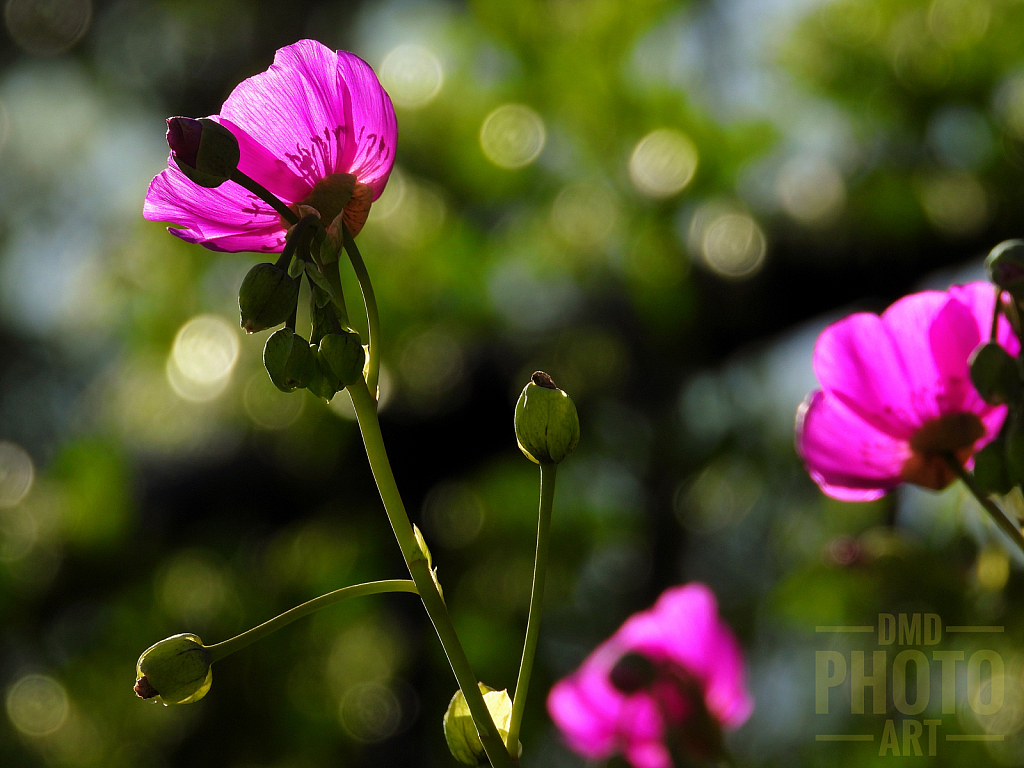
[540, 567]
[990, 506]
[265, 195]
[366, 414]
[372, 316]
[219, 650]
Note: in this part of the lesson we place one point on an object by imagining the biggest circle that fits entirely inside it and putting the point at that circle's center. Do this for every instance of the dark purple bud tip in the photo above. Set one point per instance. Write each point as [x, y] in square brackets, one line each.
[144, 690]
[542, 379]
[183, 137]
[632, 673]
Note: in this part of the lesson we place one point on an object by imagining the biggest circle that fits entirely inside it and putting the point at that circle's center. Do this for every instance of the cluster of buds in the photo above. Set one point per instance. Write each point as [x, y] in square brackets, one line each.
[999, 376]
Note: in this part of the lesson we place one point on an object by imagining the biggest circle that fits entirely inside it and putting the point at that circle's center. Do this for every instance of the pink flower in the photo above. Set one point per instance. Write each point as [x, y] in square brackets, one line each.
[305, 127]
[693, 683]
[896, 394]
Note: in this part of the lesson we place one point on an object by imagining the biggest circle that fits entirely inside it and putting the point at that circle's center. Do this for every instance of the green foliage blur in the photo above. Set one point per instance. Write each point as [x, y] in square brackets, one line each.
[659, 203]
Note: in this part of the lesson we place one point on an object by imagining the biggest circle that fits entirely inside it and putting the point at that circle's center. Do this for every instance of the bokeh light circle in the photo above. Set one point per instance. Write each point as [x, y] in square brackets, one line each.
[663, 163]
[270, 407]
[412, 75]
[47, 27]
[37, 705]
[371, 712]
[734, 245]
[202, 358]
[16, 473]
[512, 136]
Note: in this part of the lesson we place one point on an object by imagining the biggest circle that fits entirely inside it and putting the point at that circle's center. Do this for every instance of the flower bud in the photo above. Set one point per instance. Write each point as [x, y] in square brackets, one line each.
[267, 297]
[990, 470]
[1005, 264]
[343, 354]
[323, 382]
[994, 374]
[547, 426]
[289, 360]
[177, 670]
[205, 151]
[460, 730]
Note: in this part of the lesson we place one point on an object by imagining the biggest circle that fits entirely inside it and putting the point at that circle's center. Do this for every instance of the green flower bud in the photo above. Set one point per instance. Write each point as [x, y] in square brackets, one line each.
[289, 360]
[267, 297]
[460, 730]
[547, 426]
[994, 374]
[177, 670]
[205, 151]
[323, 383]
[990, 468]
[1005, 264]
[343, 354]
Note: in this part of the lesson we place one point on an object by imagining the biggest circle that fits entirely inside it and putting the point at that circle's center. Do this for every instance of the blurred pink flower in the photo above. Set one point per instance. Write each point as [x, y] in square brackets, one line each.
[693, 685]
[896, 393]
[314, 114]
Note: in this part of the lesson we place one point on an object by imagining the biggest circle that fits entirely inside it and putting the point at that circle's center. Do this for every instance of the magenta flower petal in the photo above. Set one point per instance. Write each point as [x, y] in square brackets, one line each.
[296, 110]
[846, 456]
[682, 631]
[370, 152]
[226, 218]
[856, 360]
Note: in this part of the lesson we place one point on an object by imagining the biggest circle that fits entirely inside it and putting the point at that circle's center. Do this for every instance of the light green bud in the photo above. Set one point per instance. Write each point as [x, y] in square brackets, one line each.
[547, 425]
[289, 360]
[323, 382]
[460, 730]
[343, 354]
[267, 297]
[994, 374]
[177, 670]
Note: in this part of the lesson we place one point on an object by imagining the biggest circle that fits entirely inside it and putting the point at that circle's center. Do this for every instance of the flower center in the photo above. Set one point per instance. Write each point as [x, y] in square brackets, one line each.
[954, 433]
[340, 193]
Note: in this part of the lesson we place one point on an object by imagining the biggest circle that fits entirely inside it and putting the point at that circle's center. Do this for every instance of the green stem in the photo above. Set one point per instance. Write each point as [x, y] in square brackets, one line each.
[366, 413]
[333, 275]
[990, 506]
[226, 648]
[372, 316]
[264, 194]
[540, 567]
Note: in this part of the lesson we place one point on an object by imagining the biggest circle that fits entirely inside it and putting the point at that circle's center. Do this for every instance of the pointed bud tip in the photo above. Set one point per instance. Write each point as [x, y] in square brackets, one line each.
[144, 690]
[542, 379]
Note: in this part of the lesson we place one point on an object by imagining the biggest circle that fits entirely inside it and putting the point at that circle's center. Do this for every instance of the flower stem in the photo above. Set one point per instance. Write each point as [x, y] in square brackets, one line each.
[219, 650]
[372, 316]
[265, 195]
[540, 567]
[990, 506]
[366, 413]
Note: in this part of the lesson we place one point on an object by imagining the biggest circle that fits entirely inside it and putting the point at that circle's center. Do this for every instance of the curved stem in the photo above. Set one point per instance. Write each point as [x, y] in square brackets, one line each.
[265, 195]
[540, 567]
[219, 650]
[990, 506]
[366, 413]
[372, 316]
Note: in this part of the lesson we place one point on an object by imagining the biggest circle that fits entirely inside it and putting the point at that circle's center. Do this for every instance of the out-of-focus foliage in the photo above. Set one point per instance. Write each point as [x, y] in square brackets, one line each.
[638, 198]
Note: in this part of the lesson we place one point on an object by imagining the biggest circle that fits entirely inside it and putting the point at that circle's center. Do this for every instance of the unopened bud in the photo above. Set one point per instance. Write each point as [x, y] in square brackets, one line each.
[323, 382]
[460, 730]
[289, 360]
[205, 151]
[267, 297]
[343, 354]
[547, 425]
[990, 470]
[177, 670]
[994, 374]
[1005, 264]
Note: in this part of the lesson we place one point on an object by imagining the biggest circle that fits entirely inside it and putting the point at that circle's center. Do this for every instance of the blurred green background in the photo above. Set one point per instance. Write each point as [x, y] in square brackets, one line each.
[659, 203]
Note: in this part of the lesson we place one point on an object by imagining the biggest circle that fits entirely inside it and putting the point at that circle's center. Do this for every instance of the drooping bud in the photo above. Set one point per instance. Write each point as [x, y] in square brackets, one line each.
[1005, 264]
[547, 425]
[177, 670]
[323, 383]
[266, 298]
[633, 672]
[990, 468]
[994, 374]
[460, 730]
[289, 360]
[343, 354]
[205, 151]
